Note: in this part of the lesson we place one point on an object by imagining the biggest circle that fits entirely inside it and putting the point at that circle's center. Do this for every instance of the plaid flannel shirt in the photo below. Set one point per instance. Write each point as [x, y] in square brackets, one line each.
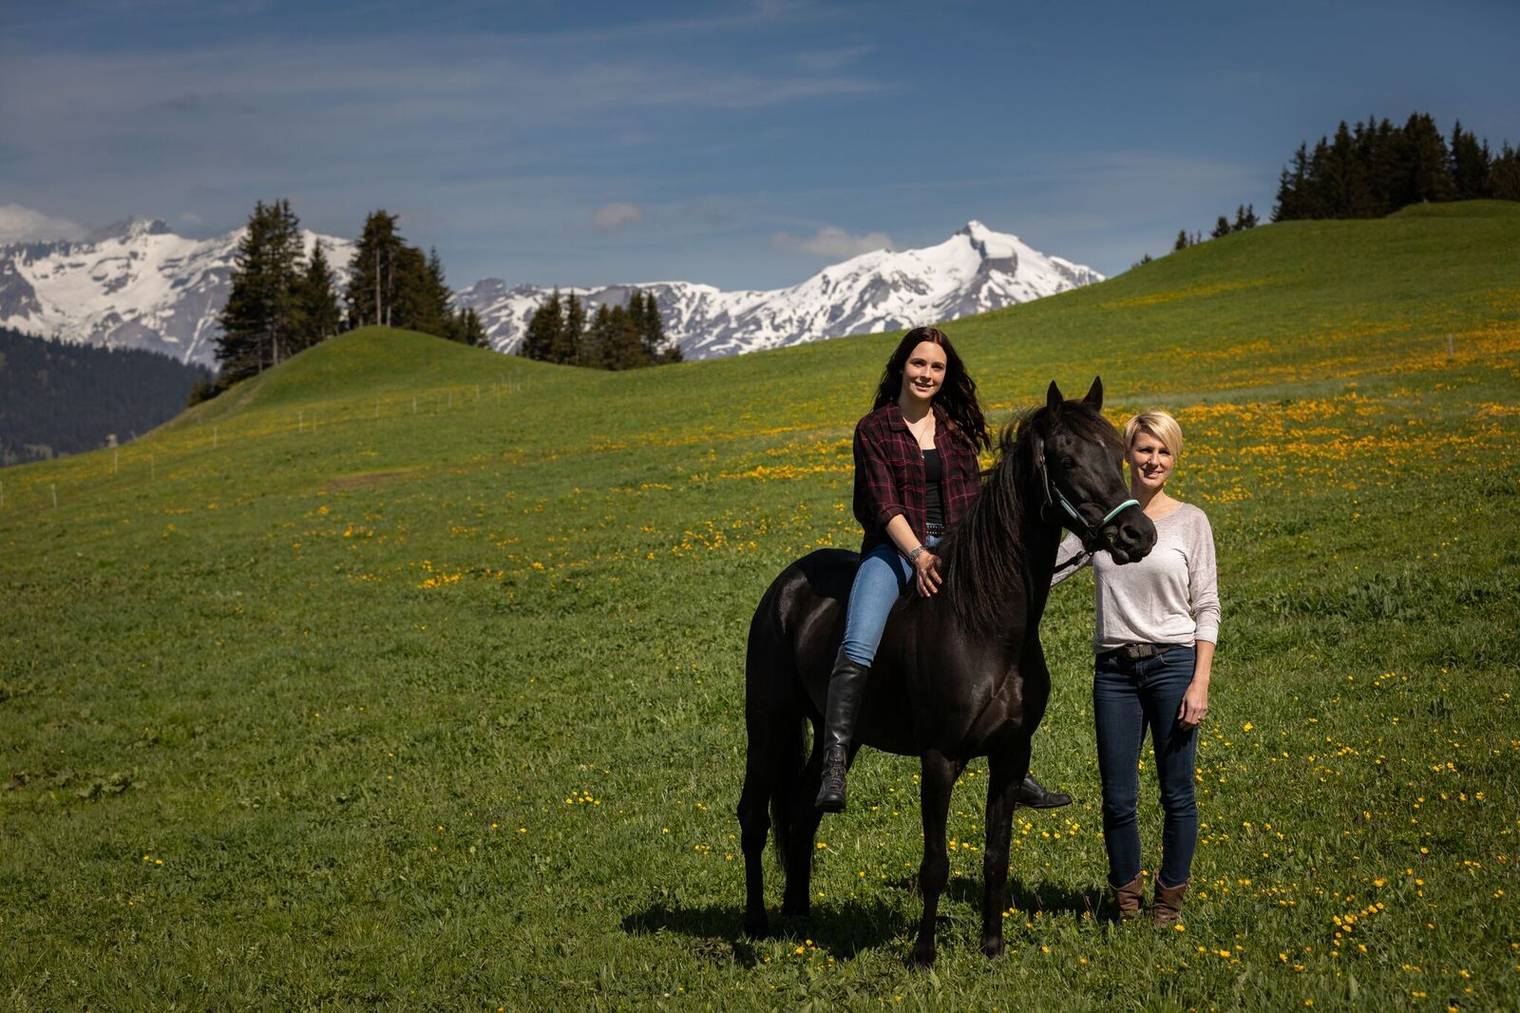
[889, 474]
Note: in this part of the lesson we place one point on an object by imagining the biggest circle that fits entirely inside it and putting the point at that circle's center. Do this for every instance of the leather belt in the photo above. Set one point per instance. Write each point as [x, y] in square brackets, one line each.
[1139, 652]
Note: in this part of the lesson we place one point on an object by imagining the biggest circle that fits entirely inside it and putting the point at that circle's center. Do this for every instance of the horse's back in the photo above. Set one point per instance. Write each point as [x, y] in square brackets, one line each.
[798, 623]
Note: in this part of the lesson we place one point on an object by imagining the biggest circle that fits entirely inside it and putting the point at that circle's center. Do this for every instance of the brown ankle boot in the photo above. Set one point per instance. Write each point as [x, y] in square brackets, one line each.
[1129, 898]
[1167, 906]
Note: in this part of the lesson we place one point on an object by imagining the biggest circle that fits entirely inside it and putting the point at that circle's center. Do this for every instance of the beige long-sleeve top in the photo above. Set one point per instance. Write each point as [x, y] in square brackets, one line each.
[1169, 597]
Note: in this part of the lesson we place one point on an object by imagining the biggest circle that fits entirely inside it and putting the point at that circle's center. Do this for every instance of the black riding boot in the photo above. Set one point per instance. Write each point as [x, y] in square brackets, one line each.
[1036, 796]
[846, 688]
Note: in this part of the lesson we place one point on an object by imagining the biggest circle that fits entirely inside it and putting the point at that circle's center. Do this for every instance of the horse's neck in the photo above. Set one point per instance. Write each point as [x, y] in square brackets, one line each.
[1041, 542]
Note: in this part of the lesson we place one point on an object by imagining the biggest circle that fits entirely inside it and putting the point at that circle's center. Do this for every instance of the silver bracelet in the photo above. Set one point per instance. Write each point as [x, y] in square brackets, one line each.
[913, 556]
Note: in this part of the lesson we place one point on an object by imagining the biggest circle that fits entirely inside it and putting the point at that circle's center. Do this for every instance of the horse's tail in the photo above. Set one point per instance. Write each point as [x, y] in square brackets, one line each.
[774, 720]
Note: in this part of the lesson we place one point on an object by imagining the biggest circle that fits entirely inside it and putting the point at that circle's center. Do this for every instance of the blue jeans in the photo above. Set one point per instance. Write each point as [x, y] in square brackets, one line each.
[1130, 696]
[882, 578]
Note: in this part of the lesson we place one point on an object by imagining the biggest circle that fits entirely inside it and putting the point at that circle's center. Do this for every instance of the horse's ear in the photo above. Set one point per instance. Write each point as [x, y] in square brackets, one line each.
[1053, 398]
[1095, 394]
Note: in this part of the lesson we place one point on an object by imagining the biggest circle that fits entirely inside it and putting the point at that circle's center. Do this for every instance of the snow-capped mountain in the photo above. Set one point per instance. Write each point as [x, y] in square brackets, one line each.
[133, 285]
[973, 271]
[138, 285]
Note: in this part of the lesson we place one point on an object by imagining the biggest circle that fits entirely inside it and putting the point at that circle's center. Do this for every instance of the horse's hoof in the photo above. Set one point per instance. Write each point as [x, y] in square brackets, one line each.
[757, 926]
[992, 947]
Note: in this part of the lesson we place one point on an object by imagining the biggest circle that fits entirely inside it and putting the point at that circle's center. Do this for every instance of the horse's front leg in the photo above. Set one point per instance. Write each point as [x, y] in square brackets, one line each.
[1006, 769]
[937, 779]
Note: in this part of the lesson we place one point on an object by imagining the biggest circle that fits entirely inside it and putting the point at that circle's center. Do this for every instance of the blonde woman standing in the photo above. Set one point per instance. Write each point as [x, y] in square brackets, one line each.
[1157, 624]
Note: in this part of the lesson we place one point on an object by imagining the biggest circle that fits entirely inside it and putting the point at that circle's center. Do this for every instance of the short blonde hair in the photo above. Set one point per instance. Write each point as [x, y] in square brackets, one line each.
[1159, 424]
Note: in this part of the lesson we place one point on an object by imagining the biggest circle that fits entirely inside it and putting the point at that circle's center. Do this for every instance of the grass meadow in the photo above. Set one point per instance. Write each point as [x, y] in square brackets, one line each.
[410, 675]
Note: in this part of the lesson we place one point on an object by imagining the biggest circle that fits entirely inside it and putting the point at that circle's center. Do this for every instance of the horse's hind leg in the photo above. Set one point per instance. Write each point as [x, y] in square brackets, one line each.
[937, 779]
[754, 827]
[802, 827]
[1006, 769]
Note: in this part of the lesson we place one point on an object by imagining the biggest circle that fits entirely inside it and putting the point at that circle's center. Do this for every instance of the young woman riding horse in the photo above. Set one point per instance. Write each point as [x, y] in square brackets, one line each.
[956, 675]
[915, 474]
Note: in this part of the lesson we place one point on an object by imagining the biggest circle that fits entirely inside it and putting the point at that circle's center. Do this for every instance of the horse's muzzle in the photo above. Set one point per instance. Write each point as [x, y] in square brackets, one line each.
[1131, 536]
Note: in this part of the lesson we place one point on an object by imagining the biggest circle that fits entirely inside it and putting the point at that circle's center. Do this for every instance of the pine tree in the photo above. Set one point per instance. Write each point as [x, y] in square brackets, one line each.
[428, 310]
[543, 328]
[1470, 164]
[596, 339]
[623, 346]
[470, 330]
[261, 320]
[651, 328]
[565, 345]
[1429, 172]
[1292, 189]
[635, 308]
[1182, 242]
[318, 311]
[1221, 228]
[1504, 174]
[373, 282]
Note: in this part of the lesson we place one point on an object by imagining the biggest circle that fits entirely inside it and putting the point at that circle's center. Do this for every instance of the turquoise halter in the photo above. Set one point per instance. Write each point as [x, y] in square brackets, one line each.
[1088, 534]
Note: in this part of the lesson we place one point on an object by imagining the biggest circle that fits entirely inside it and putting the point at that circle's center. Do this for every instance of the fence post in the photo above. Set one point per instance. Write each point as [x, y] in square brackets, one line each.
[54, 490]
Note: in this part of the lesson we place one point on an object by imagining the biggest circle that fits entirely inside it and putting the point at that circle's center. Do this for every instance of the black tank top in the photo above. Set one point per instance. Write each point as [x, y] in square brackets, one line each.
[934, 474]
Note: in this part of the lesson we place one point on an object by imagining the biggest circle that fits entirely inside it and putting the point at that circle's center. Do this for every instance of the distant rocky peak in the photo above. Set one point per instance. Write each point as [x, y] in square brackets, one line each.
[129, 228]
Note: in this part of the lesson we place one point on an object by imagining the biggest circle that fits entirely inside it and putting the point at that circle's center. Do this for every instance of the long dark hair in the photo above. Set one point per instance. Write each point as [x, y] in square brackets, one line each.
[957, 395]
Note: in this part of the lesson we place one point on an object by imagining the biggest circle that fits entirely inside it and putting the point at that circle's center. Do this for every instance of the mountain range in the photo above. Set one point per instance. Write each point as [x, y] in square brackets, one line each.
[139, 285]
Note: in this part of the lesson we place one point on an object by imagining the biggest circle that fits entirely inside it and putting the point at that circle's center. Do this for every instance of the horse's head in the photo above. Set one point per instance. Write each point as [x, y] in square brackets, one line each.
[1077, 458]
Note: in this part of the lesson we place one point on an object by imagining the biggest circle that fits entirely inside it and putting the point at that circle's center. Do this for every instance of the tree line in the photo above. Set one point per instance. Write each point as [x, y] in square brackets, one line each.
[614, 337]
[282, 302]
[1375, 168]
[59, 398]
[1245, 218]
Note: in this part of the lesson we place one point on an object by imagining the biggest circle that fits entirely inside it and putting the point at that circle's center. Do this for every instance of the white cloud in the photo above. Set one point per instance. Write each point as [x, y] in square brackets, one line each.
[831, 241]
[612, 217]
[23, 225]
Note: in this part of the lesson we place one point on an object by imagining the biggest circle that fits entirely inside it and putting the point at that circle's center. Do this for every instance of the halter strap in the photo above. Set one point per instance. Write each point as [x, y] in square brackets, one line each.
[1050, 487]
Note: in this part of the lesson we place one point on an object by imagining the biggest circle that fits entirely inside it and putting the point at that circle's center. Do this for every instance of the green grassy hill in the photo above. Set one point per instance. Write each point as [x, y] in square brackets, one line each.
[412, 674]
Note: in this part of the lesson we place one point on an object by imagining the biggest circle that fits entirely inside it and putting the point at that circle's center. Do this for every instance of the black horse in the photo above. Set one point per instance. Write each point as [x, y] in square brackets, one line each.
[957, 676]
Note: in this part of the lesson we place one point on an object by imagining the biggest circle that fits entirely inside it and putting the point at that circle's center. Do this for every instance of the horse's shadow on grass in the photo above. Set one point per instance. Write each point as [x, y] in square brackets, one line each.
[842, 929]
[1050, 898]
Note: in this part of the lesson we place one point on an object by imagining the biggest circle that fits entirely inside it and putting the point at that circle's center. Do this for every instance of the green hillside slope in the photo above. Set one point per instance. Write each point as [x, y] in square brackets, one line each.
[410, 673]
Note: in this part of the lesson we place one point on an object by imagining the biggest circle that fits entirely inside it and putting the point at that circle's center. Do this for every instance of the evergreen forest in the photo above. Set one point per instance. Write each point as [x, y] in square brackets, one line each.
[1375, 168]
[58, 398]
[282, 302]
[614, 337]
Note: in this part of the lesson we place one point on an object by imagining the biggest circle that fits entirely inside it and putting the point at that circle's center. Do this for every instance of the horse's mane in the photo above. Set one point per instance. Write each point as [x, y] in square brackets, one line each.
[984, 557]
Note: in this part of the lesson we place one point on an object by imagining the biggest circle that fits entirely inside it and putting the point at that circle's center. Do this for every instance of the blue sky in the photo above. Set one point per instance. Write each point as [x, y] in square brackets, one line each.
[744, 145]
